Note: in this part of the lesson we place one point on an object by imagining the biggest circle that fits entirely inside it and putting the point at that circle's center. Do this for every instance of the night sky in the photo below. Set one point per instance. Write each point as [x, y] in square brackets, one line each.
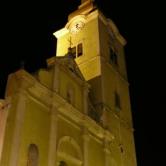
[26, 36]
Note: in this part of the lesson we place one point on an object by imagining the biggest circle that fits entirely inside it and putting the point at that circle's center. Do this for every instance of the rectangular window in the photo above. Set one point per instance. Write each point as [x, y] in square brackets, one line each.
[117, 101]
[79, 50]
[76, 51]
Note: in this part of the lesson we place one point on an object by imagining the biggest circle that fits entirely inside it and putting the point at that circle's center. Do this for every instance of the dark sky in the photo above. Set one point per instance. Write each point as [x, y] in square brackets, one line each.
[26, 35]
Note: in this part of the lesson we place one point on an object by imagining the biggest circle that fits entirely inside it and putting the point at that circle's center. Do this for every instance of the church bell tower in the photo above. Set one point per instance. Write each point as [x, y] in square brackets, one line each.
[98, 49]
[75, 112]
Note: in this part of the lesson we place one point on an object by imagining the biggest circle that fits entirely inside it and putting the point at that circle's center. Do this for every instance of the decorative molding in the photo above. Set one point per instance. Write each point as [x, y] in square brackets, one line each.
[97, 139]
[75, 125]
[61, 32]
[89, 60]
[41, 95]
[40, 102]
[96, 129]
[91, 16]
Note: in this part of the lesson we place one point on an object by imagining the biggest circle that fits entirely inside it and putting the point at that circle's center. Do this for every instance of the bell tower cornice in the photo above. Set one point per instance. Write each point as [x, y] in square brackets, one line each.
[85, 7]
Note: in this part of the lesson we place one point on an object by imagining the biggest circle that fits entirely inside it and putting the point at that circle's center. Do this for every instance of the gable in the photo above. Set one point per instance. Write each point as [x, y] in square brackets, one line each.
[68, 63]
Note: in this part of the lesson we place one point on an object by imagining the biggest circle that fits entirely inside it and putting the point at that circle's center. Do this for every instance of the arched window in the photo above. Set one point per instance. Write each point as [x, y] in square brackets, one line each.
[33, 155]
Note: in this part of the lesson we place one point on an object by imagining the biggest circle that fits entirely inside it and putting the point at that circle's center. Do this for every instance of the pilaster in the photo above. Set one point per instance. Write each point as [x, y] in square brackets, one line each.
[4, 107]
[104, 118]
[86, 139]
[53, 137]
[107, 152]
[85, 99]
[20, 111]
[56, 78]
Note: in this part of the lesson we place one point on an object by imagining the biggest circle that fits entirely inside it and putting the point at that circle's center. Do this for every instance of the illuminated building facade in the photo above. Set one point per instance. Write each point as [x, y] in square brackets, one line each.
[77, 111]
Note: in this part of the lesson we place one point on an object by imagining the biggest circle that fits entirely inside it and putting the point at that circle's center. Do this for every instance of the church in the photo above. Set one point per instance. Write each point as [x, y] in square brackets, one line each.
[75, 112]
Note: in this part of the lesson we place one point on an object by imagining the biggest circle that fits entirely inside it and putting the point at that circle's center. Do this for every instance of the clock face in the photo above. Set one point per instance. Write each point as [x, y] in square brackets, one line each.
[76, 27]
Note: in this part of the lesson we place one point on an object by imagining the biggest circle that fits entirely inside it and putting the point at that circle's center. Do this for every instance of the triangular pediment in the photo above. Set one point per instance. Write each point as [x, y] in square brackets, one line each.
[68, 63]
